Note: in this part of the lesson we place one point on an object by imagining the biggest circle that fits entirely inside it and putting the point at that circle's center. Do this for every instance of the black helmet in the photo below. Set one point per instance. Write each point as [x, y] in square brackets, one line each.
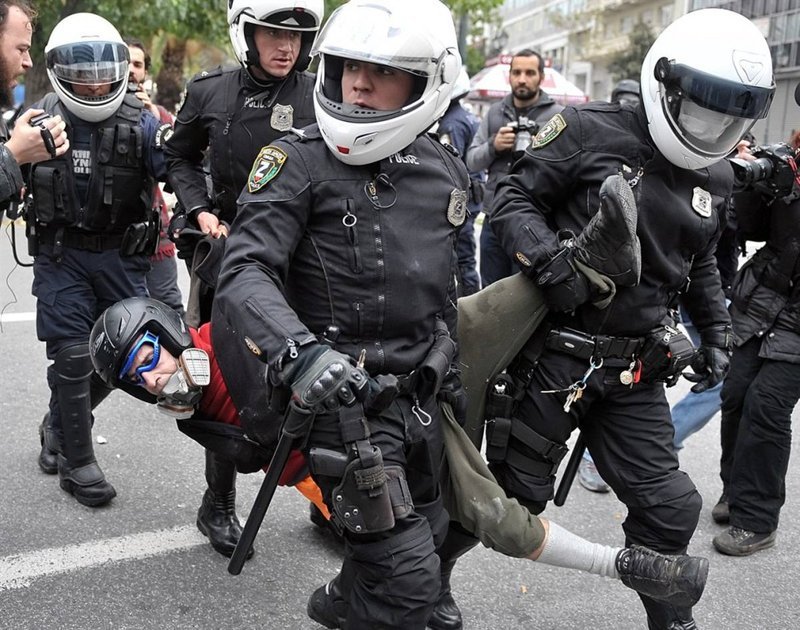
[628, 87]
[121, 325]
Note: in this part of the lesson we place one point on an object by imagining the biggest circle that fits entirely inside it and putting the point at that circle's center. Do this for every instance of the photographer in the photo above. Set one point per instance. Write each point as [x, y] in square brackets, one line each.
[494, 147]
[763, 384]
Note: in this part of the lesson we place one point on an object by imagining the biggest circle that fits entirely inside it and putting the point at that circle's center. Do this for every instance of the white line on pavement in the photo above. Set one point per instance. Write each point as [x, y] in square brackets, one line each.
[8, 318]
[20, 570]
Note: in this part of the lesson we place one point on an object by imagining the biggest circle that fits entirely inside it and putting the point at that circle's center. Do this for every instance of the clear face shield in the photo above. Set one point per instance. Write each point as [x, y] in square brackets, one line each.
[707, 113]
[89, 63]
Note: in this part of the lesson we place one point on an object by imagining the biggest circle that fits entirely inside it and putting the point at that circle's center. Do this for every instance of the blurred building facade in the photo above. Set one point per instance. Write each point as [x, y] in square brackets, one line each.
[579, 38]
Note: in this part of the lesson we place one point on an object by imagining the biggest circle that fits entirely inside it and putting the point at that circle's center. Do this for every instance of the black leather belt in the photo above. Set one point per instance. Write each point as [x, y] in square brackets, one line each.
[586, 346]
[80, 240]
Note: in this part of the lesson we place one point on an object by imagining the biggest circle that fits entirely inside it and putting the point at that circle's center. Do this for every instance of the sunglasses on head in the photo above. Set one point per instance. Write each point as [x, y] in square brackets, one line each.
[136, 377]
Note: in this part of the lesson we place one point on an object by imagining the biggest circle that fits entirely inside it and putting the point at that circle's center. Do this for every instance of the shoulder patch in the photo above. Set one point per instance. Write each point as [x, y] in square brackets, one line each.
[266, 167]
[549, 132]
[163, 134]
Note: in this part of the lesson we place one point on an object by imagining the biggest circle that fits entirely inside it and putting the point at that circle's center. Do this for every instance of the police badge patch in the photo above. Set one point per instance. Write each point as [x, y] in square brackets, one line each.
[549, 132]
[457, 209]
[701, 202]
[266, 167]
[282, 117]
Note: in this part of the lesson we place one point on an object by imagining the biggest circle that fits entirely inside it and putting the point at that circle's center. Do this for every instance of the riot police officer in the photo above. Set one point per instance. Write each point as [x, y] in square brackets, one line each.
[340, 269]
[91, 230]
[232, 113]
[603, 369]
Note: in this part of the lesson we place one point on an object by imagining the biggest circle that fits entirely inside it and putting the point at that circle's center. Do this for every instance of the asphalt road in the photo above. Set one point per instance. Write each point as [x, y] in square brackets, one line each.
[140, 563]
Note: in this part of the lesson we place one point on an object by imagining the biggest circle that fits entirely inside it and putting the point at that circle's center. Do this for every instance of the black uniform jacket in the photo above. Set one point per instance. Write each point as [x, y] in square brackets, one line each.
[555, 186]
[368, 249]
[236, 116]
[766, 291]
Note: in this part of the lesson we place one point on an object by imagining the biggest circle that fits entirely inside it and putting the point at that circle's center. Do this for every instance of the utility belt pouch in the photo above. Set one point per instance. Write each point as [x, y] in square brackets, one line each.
[665, 354]
[49, 204]
[499, 408]
[134, 239]
[436, 364]
[153, 233]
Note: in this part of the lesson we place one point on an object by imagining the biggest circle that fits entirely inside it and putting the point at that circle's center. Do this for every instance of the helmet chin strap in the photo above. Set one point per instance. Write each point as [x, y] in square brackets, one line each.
[184, 389]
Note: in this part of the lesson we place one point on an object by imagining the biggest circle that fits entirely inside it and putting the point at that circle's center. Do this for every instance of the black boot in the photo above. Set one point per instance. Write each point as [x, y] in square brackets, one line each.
[326, 605]
[48, 456]
[78, 472]
[446, 614]
[216, 517]
[676, 580]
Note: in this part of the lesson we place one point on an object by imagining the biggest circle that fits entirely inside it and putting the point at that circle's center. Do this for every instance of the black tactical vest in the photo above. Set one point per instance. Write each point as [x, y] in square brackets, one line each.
[120, 189]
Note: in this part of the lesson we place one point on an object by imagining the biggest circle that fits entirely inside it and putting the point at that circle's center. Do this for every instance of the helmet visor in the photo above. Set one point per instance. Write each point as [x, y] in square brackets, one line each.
[89, 63]
[715, 93]
[377, 36]
[134, 376]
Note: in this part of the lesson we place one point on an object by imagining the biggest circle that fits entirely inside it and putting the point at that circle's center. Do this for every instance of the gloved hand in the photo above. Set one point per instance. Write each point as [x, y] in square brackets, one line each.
[184, 234]
[322, 379]
[710, 365]
[564, 287]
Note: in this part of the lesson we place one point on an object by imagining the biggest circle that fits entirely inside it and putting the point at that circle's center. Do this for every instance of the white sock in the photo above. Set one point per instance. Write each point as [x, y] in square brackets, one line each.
[565, 549]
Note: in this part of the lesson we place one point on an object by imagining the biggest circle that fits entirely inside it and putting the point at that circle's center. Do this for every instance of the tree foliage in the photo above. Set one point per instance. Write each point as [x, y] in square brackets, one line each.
[628, 63]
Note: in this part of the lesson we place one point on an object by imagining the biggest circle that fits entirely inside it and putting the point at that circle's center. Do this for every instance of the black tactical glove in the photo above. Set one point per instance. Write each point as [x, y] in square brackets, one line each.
[712, 359]
[565, 288]
[322, 379]
[184, 233]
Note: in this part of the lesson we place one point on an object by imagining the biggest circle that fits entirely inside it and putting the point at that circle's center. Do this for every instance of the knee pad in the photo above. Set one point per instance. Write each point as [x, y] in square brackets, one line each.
[72, 364]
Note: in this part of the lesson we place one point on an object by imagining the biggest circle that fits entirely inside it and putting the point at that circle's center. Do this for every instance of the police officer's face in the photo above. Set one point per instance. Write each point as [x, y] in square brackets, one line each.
[278, 50]
[524, 77]
[375, 87]
[92, 89]
[157, 378]
[136, 71]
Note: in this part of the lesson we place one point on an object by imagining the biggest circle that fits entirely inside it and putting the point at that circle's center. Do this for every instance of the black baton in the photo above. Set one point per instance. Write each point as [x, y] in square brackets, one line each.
[296, 425]
[569, 472]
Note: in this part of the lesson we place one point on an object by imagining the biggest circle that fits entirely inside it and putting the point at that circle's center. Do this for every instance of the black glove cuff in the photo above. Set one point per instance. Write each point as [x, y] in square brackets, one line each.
[718, 336]
[557, 270]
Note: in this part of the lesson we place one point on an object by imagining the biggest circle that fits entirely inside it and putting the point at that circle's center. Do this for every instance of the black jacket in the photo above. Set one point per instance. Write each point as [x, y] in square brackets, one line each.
[309, 249]
[555, 186]
[766, 292]
[232, 116]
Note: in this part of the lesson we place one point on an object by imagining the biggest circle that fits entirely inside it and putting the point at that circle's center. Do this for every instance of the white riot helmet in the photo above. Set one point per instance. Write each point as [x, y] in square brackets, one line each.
[415, 36]
[86, 49]
[461, 85]
[290, 15]
[705, 81]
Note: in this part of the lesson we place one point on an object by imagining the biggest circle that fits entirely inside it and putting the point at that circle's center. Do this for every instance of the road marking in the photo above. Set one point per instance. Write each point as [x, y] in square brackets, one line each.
[19, 571]
[8, 318]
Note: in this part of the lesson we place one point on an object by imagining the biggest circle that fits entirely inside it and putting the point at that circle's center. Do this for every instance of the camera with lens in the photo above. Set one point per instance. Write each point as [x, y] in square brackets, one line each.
[773, 172]
[525, 129]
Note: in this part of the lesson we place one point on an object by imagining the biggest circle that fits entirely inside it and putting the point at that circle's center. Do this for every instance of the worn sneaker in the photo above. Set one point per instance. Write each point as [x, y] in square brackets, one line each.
[589, 478]
[740, 542]
[327, 607]
[678, 580]
[721, 512]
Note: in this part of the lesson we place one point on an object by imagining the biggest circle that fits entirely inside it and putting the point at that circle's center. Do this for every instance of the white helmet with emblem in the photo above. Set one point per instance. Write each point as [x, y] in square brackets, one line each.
[705, 82]
[290, 15]
[415, 36]
[85, 49]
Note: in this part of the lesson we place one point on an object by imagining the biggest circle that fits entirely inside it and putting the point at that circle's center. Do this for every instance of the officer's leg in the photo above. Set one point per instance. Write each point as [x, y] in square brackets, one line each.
[162, 283]
[630, 433]
[49, 439]
[216, 517]
[395, 574]
[78, 471]
[524, 456]
[745, 364]
[757, 488]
